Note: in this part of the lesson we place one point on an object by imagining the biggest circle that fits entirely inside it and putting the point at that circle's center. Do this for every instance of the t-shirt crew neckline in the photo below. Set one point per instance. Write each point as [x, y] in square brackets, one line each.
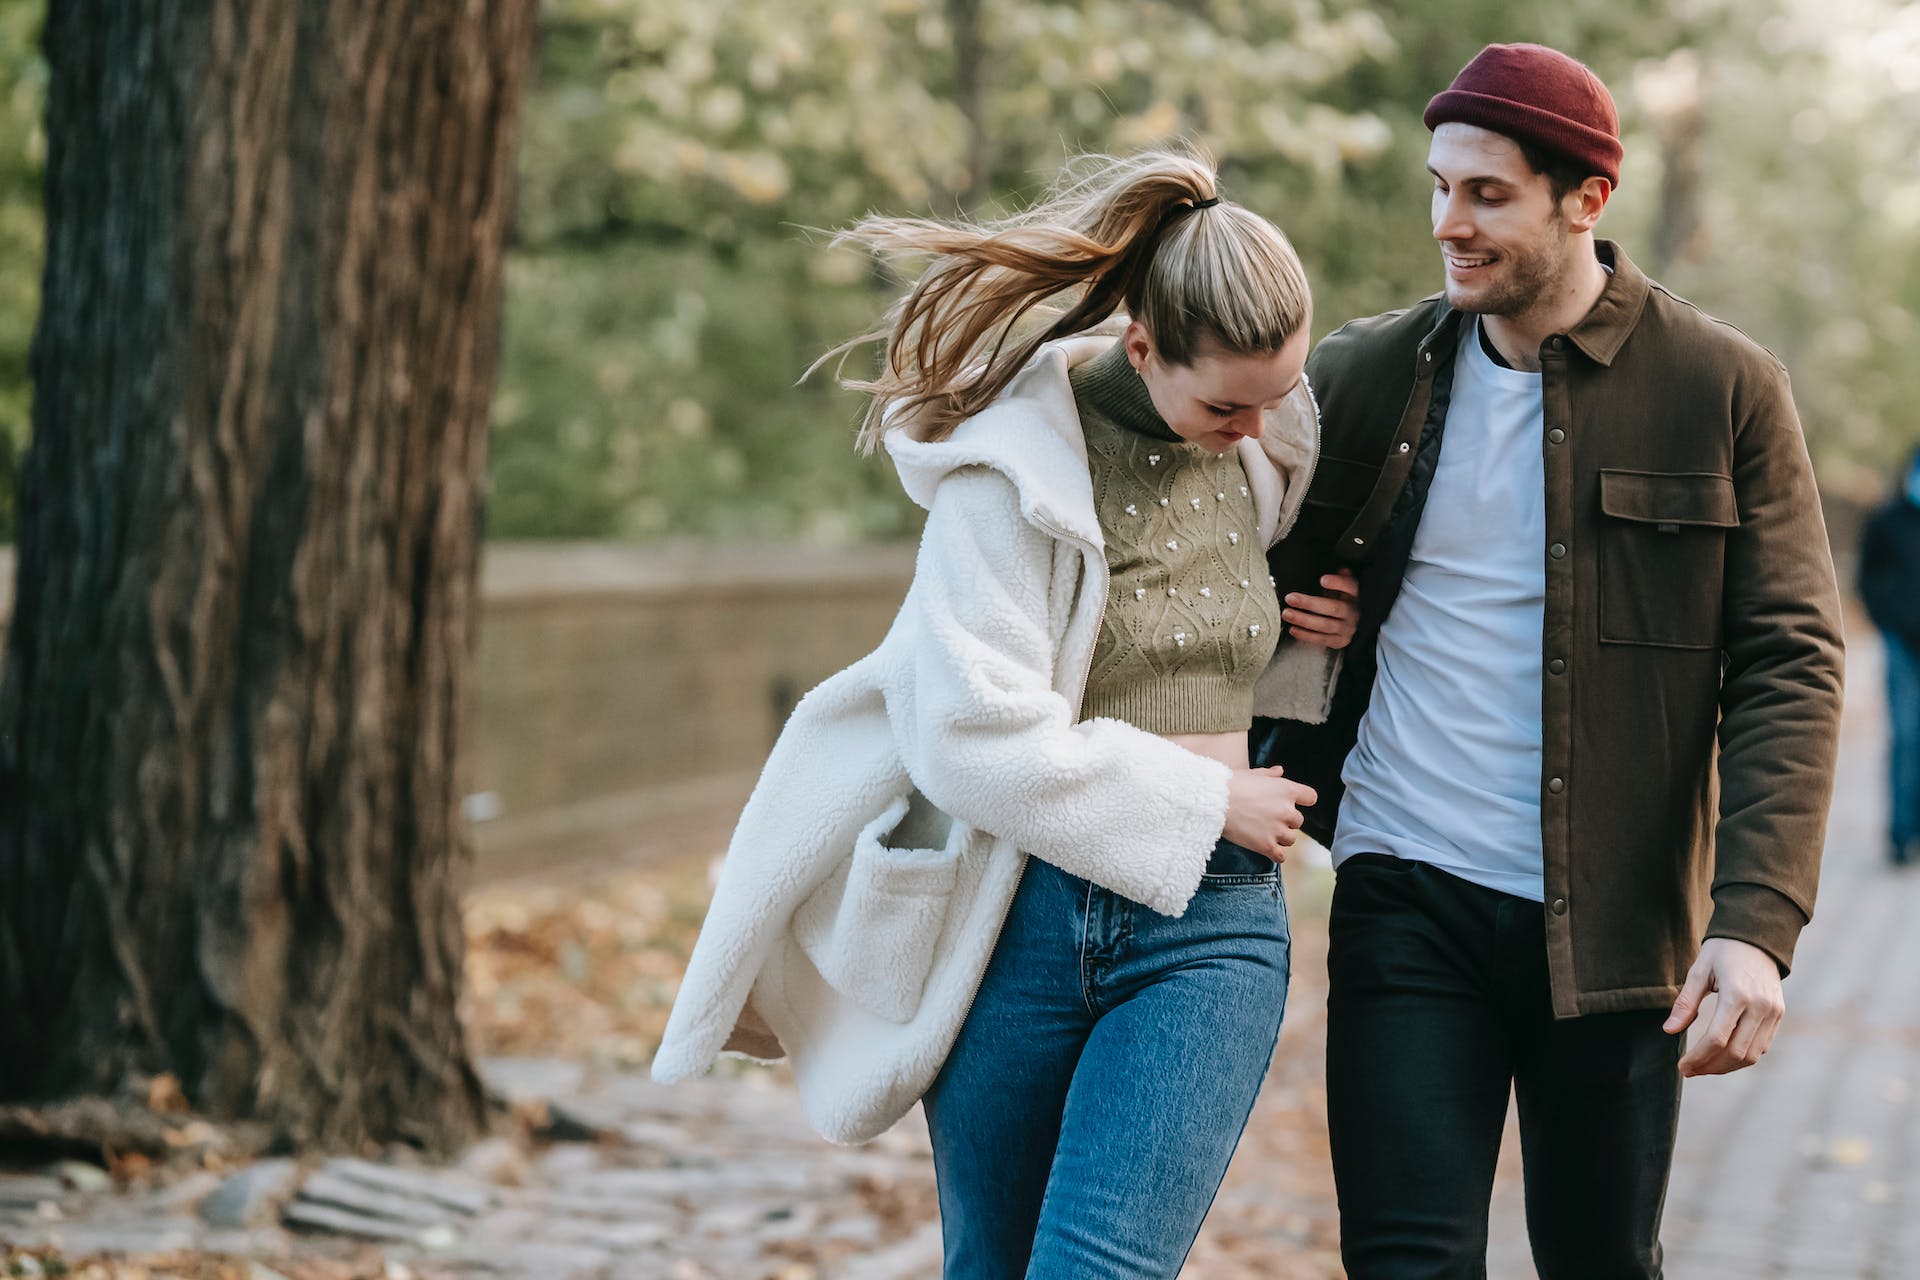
[1488, 358]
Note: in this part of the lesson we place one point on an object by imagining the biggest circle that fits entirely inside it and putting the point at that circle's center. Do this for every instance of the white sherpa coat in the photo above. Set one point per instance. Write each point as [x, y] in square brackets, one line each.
[875, 863]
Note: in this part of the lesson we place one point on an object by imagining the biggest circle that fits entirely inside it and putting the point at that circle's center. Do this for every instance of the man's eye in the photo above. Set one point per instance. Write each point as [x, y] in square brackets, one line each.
[1218, 412]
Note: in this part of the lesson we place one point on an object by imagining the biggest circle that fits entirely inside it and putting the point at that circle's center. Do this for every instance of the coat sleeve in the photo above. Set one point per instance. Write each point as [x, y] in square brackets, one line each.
[986, 736]
[1780, 695]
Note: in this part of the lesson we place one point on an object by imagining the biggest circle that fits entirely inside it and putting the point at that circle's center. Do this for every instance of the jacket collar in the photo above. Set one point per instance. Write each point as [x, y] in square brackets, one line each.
[1605, 329]
[1601, 332]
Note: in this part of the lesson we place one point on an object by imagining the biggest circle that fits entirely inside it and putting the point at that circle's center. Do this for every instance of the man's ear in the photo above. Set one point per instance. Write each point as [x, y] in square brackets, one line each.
[1586, 202]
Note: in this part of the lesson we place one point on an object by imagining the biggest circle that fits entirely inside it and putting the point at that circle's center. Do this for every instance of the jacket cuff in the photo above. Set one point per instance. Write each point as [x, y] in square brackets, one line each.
[1760, 915]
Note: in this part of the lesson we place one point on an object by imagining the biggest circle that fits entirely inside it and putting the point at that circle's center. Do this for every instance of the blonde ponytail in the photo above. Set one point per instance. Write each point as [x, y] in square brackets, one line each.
[1117, 233]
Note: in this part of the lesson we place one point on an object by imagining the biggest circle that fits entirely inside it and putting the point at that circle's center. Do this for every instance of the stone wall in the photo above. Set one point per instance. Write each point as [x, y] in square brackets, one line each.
[626, 697]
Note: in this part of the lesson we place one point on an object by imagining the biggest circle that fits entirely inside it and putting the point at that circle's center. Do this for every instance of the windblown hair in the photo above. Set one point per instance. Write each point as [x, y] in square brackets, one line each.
[1115, 233]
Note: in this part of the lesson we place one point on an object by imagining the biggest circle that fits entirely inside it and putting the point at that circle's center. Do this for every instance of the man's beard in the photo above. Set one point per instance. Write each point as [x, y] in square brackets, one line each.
[1530, 277]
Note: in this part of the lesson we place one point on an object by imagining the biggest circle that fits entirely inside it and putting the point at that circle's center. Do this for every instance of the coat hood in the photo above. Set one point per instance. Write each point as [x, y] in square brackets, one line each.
[1032, 435]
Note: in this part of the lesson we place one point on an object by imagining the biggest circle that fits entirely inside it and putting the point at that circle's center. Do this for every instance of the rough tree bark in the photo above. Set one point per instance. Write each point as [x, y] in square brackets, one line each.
[235, 680]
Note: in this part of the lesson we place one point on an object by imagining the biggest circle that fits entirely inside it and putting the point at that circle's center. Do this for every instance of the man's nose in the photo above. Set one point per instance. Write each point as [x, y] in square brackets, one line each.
[1449, 220]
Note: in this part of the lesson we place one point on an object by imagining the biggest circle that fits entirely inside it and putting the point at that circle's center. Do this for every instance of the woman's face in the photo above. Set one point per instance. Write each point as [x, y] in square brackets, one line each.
[1221, 396]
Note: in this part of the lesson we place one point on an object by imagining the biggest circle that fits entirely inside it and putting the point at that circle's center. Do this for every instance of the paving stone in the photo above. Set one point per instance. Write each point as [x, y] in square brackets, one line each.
[28, 1190]
[913, 1258]
[88, 1179]
[153, 1237]
[531, 1079]
[545, 1260]
[316, 1215]
[445, 1188]
[252, 1196]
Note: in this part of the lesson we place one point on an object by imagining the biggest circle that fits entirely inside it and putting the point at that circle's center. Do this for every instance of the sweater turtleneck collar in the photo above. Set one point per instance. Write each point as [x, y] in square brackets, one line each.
[1111, 384]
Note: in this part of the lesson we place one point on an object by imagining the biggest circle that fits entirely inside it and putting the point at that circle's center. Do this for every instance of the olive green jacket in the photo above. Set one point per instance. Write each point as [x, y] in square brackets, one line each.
[1691, 648]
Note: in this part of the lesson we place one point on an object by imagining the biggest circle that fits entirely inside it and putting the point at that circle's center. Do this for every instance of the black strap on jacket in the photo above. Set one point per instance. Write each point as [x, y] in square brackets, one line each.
[1354, 515]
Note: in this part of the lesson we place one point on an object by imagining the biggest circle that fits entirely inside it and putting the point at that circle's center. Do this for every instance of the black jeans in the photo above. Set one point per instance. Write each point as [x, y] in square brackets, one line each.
[1437, 1007]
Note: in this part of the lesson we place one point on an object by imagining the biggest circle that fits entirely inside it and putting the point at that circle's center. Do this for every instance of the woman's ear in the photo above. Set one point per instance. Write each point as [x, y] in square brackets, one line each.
[1138, 343]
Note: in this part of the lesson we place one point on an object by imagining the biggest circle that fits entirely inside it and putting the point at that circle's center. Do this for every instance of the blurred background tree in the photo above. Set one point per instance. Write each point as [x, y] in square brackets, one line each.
[665, 290]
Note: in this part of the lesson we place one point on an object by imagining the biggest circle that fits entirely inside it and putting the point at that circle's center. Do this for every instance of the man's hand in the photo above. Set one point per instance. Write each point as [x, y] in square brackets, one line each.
[1330, 620]
[1745, 1016]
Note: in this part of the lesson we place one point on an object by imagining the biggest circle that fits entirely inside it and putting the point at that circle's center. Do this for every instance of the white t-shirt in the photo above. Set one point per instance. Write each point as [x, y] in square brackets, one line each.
[1447, 767]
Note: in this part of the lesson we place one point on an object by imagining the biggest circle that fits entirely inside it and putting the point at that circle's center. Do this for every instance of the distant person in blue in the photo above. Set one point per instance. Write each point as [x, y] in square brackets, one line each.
[1890, 586]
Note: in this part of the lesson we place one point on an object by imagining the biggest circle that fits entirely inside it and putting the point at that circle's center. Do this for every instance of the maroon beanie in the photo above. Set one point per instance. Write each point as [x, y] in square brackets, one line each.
[1537, 95]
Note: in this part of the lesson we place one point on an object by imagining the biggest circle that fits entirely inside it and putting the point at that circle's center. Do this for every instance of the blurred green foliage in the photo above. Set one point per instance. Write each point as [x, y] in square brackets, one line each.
[670, 281]
[23, 144]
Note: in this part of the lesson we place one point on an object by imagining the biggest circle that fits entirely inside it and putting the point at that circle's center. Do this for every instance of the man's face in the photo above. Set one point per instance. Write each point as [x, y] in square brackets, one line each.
[1504, 239]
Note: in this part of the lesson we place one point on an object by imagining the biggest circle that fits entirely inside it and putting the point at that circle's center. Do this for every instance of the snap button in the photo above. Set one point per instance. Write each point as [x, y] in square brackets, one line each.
[1557, 666]
[1427, 356]
[1404, 446]
[1556, 435]
[1556, 785]
[1359, 542]
[1559, 906]
[1556, 343]
[1558, 551]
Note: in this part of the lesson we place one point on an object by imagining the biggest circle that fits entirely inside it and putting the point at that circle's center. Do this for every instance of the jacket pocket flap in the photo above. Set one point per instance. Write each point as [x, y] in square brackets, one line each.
[1696, 498]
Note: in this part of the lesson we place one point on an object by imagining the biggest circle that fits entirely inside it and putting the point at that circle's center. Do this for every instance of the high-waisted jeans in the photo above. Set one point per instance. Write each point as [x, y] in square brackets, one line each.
[1083, 1122]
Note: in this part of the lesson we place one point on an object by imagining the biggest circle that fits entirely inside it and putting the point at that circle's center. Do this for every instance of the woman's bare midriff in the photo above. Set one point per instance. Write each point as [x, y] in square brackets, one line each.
[1230, 749]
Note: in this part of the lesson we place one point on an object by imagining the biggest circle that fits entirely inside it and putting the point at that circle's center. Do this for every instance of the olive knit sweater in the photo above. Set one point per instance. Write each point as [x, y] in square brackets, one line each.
[1191, 618]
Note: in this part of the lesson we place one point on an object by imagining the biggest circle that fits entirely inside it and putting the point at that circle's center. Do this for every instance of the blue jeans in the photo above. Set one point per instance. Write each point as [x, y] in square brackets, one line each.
[1903, 716]
[1083, 1122]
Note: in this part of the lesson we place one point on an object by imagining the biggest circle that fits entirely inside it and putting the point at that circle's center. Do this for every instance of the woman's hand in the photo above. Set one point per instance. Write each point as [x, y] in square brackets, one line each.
[1263, 810]
[1330, 620]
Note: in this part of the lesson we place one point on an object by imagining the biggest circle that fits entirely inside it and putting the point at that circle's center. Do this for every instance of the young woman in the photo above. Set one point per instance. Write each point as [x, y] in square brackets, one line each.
[1015, 859]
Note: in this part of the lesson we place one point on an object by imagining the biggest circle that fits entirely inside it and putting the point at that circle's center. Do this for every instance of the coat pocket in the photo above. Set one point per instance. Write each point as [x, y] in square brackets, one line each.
[871, 928]
[1663, 545]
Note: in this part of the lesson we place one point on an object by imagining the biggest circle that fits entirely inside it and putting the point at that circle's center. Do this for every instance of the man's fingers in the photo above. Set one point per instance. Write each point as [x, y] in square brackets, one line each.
[1687, 1006]
[1707, 1055]
[1744, 1047]
[1302, 605]
[1342, 583]
[1316, 623]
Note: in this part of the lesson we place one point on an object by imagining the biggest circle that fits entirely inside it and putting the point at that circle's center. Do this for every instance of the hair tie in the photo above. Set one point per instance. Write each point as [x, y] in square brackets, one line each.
[1208, 203]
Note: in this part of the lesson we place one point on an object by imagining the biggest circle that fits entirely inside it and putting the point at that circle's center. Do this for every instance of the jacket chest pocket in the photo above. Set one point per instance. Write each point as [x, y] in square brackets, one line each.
[1663, 544]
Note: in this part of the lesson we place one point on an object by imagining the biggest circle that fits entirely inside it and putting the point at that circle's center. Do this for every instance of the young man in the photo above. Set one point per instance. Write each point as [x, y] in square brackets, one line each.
[1588, 539]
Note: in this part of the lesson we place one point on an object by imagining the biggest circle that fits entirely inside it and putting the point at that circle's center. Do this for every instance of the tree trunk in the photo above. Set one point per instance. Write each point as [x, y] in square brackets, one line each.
[235, 680]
